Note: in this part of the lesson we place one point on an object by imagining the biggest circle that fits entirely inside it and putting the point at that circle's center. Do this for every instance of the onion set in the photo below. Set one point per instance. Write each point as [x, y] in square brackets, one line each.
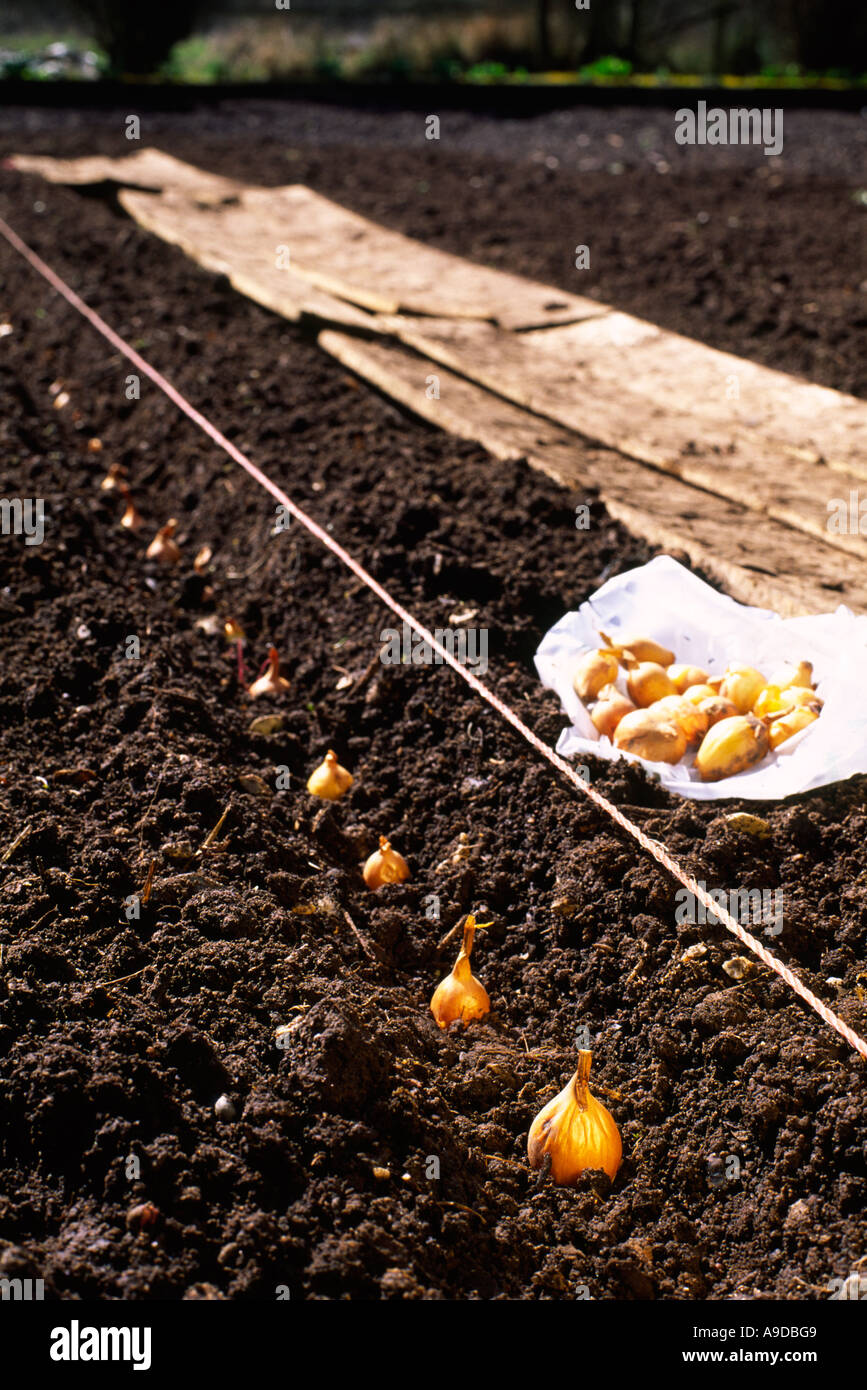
[132, 519]
[576, 1131]
[271, 683]
[594, 671]
[329, 780]
[460, 997]
[384, 866]
[733, 720]
[164, 548]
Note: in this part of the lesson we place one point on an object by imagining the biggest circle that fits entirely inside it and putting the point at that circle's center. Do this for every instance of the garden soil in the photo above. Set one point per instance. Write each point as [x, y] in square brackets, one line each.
[372, 1156]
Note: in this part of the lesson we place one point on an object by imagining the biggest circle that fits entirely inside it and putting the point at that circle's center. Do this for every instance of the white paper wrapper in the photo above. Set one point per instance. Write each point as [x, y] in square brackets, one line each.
[664, 601]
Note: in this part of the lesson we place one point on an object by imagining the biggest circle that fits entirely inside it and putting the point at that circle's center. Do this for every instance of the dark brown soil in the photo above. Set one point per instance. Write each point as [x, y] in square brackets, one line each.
[117, 1036]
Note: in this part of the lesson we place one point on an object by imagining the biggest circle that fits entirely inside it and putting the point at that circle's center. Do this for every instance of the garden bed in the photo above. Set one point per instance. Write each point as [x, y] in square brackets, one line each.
[323, 1183]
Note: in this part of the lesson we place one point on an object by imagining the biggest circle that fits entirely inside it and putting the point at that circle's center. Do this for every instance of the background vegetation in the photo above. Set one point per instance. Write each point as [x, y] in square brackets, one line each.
[251, 40]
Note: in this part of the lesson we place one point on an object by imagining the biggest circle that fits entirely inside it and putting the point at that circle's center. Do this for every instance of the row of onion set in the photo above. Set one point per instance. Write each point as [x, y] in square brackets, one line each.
[574, 1131]
[731, 721]
[329, 781]
[163, 548]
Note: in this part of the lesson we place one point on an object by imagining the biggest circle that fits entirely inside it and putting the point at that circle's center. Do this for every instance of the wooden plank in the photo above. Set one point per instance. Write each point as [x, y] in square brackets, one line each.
[390, 272]
[370, 265]
[145, 168]
[804, 420]
[339, 251]
[759, 562]
[667, 376]
[462, 408]
[200, 232]
[736, 462]
[352, 258]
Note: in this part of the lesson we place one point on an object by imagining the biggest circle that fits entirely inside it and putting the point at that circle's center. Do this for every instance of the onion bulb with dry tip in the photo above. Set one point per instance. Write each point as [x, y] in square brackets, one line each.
[271, 683]
[774, 699]
[791, 723]
[164, 547]
[113, 480]
[742, 685]
[609, 709]
[656, 737]
[460, 996]
[639, 649]
[385, 865]
[593, 671]
[576, 1130]
[731, 746]
[683, 677]
[132, 519]
[329, 780]
[800, 675]
[690, 717]
[647, 682]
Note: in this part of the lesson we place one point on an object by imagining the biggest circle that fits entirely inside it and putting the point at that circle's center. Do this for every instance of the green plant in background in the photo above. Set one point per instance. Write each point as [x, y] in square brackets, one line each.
[486, 72]
[194, 60]
[609, 66]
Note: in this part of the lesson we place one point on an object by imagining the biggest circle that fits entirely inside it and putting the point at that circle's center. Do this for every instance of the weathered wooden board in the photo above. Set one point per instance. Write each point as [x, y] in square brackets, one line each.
[731, 459]
[805, 420]
[759, 561]
[202, 234]
[385, 271]
[695, 389]
[339, 251]
[145, 168]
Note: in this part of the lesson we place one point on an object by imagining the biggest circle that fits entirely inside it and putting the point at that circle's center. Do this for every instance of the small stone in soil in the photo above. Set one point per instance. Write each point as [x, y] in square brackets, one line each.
[695, 952]
[738, 967]
[224, 1109]
[142, 1217]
